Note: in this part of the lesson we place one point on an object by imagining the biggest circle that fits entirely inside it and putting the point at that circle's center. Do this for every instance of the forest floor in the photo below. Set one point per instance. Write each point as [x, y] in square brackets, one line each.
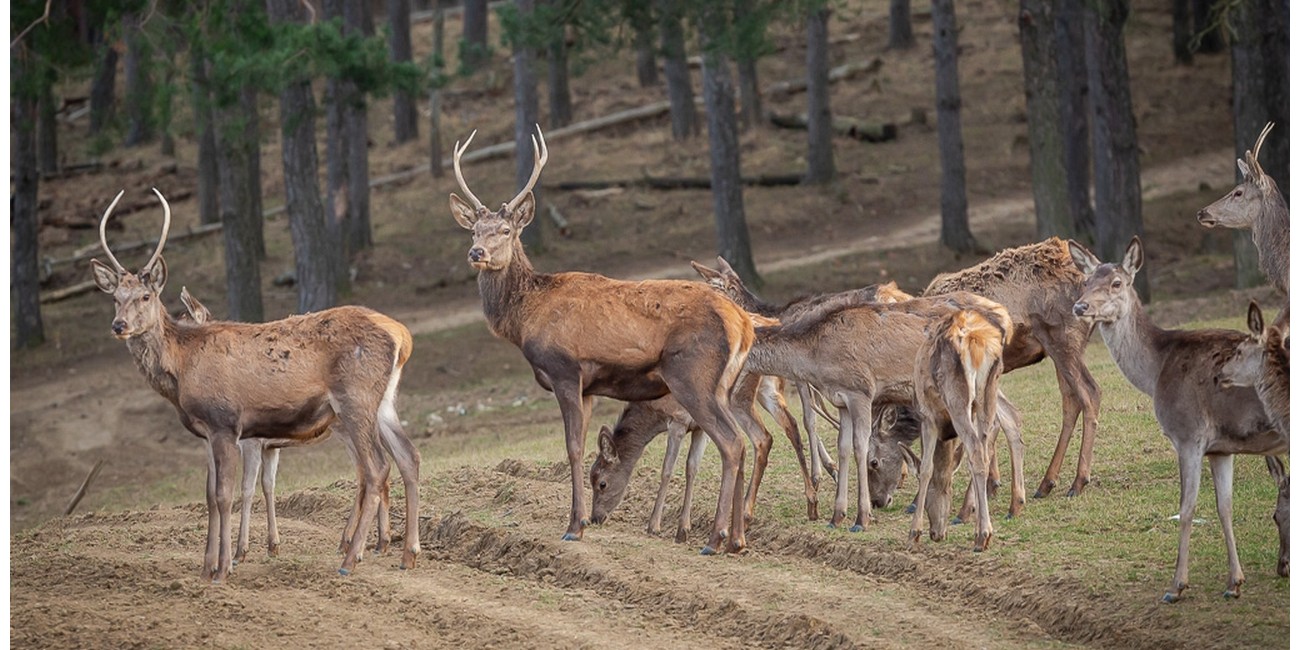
[494, 493]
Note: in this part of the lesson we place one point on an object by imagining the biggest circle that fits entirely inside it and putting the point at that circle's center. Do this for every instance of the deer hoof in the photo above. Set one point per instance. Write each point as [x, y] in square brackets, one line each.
[680, 537]
[708, 550]
[273, 550]
[736, 546]
[1044, 489]
[1169, 598]
[1283, 568]
[910, 509]
[957, 521]
[914, 539]
[345, 572]
[408, 559]
[1235, 592]
[572, 537]
[856, 528]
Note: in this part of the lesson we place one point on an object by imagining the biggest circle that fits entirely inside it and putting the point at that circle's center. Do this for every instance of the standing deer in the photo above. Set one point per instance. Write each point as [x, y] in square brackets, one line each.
[286, 379]
[1179, 369]
[1256, 204]
[1038, 284]
[586, 335]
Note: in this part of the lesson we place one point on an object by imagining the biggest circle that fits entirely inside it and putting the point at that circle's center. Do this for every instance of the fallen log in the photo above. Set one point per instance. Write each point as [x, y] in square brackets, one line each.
[847, 126]
[836, 74]
[674, 182]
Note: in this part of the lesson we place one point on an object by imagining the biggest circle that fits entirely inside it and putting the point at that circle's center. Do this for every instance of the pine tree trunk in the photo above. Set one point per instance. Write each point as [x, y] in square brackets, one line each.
[526, 117]
[900, 25]
[139, 85]
[253, 179]
[356, 138]
[1043, 106]
[751, 101]
[47, 133]
[1182, 31]
[1260, 94]
[103, 85]
[724, 165]
[474, 45]
[1073, 86]
[337, 92]
[201, 107]
[1114, 134]
[24, 281]
[239, 229]
[435, 92]
[955, 229]
[677, 74]
[557, 79]
[314, 254]
[643, 40]
[821, 153]
[406, 125]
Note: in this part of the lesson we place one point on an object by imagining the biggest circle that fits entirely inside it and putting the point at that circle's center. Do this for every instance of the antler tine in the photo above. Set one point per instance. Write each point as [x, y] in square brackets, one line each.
[457, 152]
[103, 240]
[1259, 142]
[167, 225]
[540, 156]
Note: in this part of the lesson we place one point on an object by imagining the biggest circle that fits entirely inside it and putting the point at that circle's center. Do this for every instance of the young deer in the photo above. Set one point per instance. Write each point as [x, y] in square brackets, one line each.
[261, 456]
[1038, 285]
[287, 379]
[651, 338]
[1256, 204]
[1179, 370]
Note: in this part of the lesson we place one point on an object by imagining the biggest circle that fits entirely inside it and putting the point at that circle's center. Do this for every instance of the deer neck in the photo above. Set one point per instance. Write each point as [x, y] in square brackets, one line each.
[1272, 235]
[1131, 339]
[155, 357]
[504, 293]
[772, 353]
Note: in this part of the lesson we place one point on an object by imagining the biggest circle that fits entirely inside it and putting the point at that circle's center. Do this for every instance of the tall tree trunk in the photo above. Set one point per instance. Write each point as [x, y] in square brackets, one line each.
[337, 92]
[201, 107]
[474, 43]
[1114, 134]
[1210, 33]
[750, 36]
[239, 227]
[677, 74]
[314, 254]
[525, 84]
[435, 92]
[103, 85]
[253, 178]
[557, 77]
[955, 230]
[724, 163]
[139, 85]
[900, 25]
[1073, 86]
[47, 132]
[357, 20]
[821, 154]
[1260, 94]
[1043, 106]
[24, 269]
[406, 125]
[641, 17]
[1182, 31]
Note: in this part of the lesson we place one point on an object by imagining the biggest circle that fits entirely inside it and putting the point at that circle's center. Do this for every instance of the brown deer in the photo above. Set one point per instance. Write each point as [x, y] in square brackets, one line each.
[1256, 204]
[261, 456]
[287, 379]
[652, 338]
[1038, 285]
[1179, 369]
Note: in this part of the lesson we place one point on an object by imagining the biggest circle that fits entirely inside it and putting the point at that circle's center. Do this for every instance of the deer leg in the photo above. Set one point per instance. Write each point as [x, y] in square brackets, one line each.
[842, 481]
[350, 528]
[270, 466]
[1009, 421]
[995, 473]
[976, 446]
[821, 457]
[575, 408]
[1281, 513]
[929, 442]
[774, 403]
[1189, 479]
[742, 403]
[1089, 396]
[211, 552]
[1070, 409]
[407, 458]
[251, 452]
[384, 535]
[693, 457]
[860, 412]
[676, 431]
[373, 467]
[1221, 472]
[939, 501]
[225, 451]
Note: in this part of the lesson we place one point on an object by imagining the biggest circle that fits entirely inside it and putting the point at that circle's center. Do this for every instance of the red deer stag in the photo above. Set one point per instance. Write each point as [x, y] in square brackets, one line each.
[1179, 369]
[291, 378]
[1038, 285]
[1259, 206]
[261, 456]
[586, 335]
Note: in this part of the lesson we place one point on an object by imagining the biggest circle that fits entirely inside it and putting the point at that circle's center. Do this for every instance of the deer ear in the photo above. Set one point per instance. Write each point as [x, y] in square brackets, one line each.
[196, 309]
[1255, 319]
[526, 211]
[155, 276]
[725, 267]
[462, 212]
[106, 278]
[606, 443]
[1244, 169]
[910, 459]
[1133, 256]
[1083, 258]
[704, 271]
[888, 418]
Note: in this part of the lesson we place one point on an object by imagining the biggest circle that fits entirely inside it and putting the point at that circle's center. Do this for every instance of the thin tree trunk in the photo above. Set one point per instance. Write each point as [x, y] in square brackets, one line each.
[253, 140]
[313, 252]
[474, 44]
[724, 165]
[1182, 31]
[525, 84]
[900, 25]
[1043, 106]
[557, 77]
[139, 86]
[238, 230]
[47, 133]
[103, 86]
[435, 92]
[677, 74]
[955, 229]
[337, 210]
[201, 107]
[406, 125]
[750, 44]
[1114, 134]
[643, 40]
[356, 19]
[1073, 86]
[24, 285]
[821, 154]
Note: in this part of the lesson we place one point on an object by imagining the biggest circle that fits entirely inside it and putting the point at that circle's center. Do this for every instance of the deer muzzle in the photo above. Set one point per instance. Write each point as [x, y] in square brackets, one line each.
[1206, 219]
[477, 254]
[1080, 308]
[119, 328]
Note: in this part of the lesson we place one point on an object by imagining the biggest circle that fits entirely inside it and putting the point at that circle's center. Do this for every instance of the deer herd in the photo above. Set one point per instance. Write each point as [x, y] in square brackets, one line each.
[886, 368]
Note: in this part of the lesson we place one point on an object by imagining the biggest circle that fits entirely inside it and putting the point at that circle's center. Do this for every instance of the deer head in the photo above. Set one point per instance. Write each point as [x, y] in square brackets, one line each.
[890, 453]
[1107, 292]
[496, 234]
[609, 477]
[135, 294]
[724, 280]
[1247, 360]
[1242, 206]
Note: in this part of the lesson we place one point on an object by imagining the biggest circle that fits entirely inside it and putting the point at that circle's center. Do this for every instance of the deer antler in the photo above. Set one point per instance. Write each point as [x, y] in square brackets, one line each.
[1253, 154]
[103, 240]
[457, 152]
[540, 155]
[167, 225]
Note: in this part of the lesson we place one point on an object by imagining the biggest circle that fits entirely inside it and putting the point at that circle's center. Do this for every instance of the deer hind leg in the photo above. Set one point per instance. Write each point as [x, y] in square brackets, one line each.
[407, 459]
[575, 408]
[1282, 513]
[774, 403]
[213, 549]
[929, 443]
[1008, 419]
[693, 457]
[250, 450]
[843, 447]
[270, 466]
[821, 458]
[860, 412]
[1090, 397]
[373, 470]
[676, 432]
[225, 451]
[975, 443]
[1221, 471]
[742, 401]
[1189, 479]
[1070, 410]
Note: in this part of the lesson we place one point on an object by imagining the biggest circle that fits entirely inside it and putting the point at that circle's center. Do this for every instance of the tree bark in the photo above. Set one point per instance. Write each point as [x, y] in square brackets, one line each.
[1073, 86]
[677, 73]
[201, 107]
[47, 133]
[435, 91]
[103, 85]
[314, 255]
[1182, 31]
[1043, 107]
[900, 25]
[474, 44]
[955, 229]
[724, 164]
[749, 35]
[821, 154]
[356, 138]
[1260, 94]
[641, 18]
[406, 125]
[557, 77]
[139, 85]
[24, 269]
[525, 84]
[253, 140]
[1114, 134]
[239, 228]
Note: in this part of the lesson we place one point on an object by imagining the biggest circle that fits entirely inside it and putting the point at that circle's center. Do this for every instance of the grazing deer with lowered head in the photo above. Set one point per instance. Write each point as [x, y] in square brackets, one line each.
[1179, 369]
[1256, 204]
[1038, 284]
[586, 335]
[292, 378]
[261, 456]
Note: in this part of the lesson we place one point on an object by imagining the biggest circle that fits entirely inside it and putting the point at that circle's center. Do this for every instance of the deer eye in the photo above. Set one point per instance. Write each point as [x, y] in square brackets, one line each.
[602, 485]
[505, 231]
[1238, 193]
[1116, 284]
